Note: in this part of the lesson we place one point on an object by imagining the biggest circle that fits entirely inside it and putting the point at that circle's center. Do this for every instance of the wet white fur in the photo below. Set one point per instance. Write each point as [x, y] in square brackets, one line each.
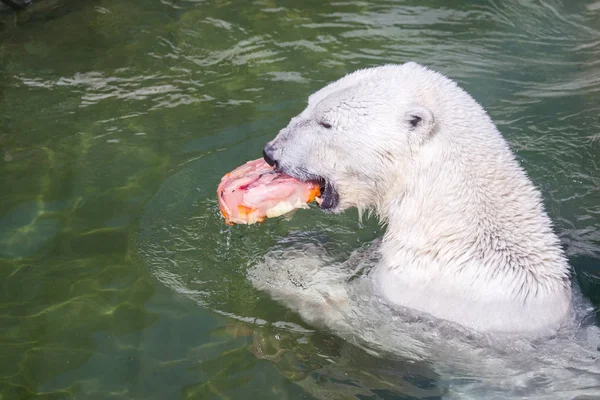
[467, 237]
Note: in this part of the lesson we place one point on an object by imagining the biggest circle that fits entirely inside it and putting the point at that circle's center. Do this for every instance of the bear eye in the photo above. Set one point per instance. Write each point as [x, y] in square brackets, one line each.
[325, 124]
[415, 120]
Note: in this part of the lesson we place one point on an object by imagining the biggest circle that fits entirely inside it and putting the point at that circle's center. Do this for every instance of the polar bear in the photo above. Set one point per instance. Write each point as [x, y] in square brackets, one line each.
[467, 238]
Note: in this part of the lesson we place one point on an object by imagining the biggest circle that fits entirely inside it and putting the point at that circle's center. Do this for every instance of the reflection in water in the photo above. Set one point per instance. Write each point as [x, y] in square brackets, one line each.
[119, 118]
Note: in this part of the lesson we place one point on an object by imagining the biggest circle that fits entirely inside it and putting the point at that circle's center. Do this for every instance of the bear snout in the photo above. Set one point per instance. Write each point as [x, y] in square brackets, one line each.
[268, 155]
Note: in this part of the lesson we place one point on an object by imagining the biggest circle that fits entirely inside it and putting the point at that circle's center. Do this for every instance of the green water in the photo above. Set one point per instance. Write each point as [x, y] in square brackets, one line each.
[117, 120]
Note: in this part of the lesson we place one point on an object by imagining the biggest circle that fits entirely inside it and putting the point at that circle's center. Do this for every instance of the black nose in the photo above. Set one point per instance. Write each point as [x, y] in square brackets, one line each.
[268, 156]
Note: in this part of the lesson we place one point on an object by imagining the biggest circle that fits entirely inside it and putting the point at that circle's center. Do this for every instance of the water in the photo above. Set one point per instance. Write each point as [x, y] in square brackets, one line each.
[117, 120]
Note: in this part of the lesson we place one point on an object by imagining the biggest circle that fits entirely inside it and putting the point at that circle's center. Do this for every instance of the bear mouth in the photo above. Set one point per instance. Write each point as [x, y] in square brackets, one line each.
[329, 199]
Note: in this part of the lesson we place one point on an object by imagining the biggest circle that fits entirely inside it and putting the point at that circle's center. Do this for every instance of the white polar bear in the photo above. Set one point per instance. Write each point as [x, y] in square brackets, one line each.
[467, 237]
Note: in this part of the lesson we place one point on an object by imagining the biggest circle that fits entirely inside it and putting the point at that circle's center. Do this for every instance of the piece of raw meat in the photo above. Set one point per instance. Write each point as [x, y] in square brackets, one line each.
[255, 191]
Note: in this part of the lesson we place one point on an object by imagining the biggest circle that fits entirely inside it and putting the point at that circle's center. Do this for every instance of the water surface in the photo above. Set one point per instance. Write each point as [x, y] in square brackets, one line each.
[117, 120]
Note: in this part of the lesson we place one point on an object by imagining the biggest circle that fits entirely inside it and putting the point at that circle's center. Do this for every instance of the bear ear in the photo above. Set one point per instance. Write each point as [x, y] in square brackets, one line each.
[419, 122]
